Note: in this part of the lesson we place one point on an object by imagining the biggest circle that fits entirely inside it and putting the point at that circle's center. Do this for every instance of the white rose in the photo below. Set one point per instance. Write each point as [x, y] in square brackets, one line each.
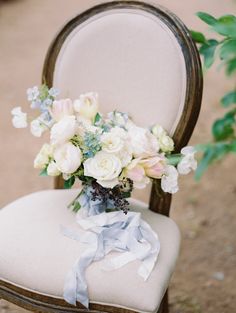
[143, 142]
[166, 143]
[19, 119]
[68, 158]
[188, 162]
[125, 155]
[104, 167]
[37, 128]
[114, 140]
[87, 105]
[52, 169]
[43, 157]
[64, 130]
[169, 181]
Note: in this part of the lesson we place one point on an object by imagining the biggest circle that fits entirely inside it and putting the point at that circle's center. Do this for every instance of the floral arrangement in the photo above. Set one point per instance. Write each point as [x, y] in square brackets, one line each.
[109, 154]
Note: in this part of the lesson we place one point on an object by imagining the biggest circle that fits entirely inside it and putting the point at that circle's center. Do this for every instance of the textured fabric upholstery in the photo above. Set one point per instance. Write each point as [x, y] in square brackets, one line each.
[36, 256]
[132, 59]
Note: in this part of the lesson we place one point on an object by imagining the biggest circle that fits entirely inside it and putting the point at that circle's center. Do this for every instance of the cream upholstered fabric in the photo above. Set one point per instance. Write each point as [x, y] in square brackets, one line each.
[36, 256]
[132, 59]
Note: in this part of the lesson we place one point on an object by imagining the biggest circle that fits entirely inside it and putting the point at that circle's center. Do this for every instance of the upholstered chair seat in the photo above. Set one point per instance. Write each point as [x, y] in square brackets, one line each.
[36, 256]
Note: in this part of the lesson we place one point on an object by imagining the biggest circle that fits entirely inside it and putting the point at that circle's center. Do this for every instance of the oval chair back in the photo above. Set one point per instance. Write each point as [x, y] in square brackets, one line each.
[140, 59]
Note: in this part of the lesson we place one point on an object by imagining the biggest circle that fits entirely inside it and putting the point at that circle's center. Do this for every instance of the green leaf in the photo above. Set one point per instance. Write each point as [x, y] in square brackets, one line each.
[126, 194]
[232, 146]
[208, 52]
[76, 206]
[43, 172]
[207, 18]
[223, 128]
[228, 49]
[214, 152]
[206, 160]
[228, 99]
[198, 37]
[231, 67]
[226, 26]
[69, 182]
[97, 118]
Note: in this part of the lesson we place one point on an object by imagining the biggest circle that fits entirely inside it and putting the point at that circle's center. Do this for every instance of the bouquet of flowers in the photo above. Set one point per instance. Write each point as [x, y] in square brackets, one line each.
[109, 154]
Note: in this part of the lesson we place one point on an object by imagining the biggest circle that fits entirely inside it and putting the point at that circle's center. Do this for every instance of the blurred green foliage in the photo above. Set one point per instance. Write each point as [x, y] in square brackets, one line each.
[224, 50]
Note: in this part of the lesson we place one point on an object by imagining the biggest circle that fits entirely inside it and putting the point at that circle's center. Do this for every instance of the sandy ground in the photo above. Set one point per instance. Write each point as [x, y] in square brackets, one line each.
[204, 280]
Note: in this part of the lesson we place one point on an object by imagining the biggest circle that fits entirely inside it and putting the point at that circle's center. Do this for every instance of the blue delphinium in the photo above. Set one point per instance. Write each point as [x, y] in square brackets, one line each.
[92, 144]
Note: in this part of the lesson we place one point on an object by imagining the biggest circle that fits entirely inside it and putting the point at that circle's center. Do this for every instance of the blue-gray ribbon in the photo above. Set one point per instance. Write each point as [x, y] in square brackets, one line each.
[103, 233]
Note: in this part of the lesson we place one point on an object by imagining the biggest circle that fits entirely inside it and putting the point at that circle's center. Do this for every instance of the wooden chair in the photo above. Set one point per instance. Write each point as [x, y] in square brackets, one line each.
[141, 59]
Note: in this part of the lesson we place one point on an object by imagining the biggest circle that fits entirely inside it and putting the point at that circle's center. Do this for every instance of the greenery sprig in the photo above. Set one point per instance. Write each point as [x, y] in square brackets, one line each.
[224, 50]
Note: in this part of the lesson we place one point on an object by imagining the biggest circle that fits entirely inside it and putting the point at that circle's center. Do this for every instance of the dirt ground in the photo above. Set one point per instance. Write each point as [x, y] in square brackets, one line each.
[204, 280]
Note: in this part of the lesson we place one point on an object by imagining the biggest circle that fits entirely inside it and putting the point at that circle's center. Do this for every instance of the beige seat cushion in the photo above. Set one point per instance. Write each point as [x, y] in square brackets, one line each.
[36, 256]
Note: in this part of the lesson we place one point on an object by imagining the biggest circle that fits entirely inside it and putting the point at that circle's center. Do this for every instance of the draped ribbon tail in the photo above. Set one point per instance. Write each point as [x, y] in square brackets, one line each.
[75, 287]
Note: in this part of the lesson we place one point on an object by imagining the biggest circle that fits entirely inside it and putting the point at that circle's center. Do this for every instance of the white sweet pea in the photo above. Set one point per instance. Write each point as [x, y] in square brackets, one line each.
[68, 158]
[143, 142]
[19, 119]
[169, 181]
[52, 169]
[64, 130]
[87, 105]
[188, 162]
[43, 157]
[105, 168]
[37, 128]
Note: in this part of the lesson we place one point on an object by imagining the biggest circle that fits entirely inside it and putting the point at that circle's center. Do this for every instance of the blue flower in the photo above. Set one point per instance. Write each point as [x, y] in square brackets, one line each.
[32, 93]
[36, 104]
[53, 92]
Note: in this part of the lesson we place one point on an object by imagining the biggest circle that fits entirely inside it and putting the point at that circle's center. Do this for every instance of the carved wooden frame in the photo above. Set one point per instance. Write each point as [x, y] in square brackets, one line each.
[159, 201]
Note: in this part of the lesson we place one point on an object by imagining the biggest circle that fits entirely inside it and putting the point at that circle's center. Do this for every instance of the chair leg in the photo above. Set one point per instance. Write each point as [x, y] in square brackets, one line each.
[164, 307]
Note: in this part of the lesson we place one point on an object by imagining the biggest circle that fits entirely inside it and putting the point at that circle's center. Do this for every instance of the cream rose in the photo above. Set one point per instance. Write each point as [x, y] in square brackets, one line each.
[43, 157]
[114, 140]
[87, 105]
[158, 131]
[105, 168]
[166, 143]
[64, 130]
[68, 158]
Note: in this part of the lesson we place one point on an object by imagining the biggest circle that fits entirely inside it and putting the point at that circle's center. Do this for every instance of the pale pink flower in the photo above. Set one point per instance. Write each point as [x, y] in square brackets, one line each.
[61, 108]
[154, 167]
[135, 171]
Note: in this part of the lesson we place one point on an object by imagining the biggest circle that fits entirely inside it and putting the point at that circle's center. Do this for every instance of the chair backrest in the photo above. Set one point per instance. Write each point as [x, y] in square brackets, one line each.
[138, 57]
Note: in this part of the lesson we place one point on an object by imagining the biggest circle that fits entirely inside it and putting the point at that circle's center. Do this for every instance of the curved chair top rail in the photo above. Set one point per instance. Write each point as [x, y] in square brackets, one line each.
[193, 92]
